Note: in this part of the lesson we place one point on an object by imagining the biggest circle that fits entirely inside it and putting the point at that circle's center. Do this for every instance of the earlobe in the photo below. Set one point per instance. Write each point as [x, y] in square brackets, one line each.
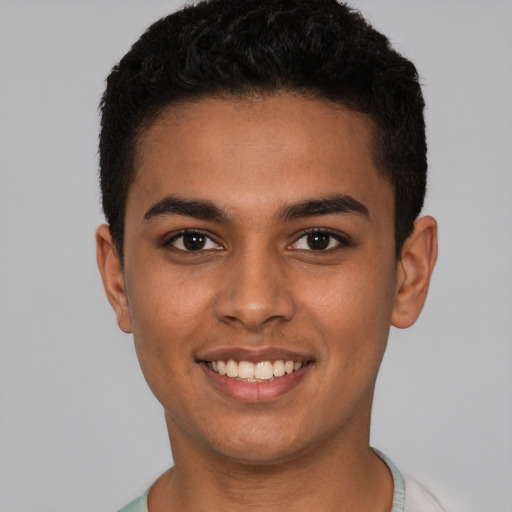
[414, 270]
[112, 276]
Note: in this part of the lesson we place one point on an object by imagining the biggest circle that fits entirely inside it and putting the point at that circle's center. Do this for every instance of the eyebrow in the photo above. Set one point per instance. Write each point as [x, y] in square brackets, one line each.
[172, 205]
[324, 206]
[205, 210]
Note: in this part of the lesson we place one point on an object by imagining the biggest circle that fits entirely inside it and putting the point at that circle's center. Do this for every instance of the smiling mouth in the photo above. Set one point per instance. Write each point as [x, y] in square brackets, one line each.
[261, 371]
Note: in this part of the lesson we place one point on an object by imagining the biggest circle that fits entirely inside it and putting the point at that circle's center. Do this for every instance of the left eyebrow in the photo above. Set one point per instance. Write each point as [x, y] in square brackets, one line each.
[326, 206]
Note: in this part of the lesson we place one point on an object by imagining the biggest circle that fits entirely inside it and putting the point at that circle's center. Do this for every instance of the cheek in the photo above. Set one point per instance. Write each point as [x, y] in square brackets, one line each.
[352, 307]
[164, 309]
[167, 300]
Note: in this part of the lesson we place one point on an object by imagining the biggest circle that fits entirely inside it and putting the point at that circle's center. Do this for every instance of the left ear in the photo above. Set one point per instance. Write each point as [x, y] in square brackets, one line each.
[414, 269]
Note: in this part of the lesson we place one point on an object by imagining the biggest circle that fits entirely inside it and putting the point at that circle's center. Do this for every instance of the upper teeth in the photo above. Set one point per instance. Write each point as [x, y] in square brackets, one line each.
[263, 370]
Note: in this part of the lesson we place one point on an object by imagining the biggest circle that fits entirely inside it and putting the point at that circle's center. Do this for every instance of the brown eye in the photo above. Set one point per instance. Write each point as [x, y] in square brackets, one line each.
[318, 241]
[193, 241]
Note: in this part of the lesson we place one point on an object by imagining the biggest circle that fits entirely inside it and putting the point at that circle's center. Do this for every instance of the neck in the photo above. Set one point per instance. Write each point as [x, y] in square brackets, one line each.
[348, 475]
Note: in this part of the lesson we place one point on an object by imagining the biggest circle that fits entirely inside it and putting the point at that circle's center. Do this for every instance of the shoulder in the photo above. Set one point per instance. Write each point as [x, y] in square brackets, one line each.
[419, 499]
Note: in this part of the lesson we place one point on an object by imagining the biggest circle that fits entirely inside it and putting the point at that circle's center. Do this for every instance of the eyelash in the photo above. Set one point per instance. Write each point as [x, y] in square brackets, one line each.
[341, 241]
[191, 232]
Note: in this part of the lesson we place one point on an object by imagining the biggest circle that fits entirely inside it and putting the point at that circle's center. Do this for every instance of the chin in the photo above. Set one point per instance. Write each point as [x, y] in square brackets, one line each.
[261, 444]
[259, 454]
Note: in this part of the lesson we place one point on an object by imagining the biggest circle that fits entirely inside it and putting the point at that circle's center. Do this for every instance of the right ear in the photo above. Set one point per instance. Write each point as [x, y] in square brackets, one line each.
[111, 272]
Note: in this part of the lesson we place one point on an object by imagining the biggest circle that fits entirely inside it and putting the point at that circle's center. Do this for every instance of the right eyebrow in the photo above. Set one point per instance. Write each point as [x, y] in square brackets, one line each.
[173, 205]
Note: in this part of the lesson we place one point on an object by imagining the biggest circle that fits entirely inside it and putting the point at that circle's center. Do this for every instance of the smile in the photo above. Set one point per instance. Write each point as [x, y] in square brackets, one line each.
[255, 374]
[261, 371]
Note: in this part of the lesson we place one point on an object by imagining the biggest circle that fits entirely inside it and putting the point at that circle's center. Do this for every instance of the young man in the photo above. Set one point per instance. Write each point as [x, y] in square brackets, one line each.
[263, 166]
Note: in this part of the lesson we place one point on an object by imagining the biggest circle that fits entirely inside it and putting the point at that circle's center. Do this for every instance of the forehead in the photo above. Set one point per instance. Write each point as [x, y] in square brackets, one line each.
[239, 151]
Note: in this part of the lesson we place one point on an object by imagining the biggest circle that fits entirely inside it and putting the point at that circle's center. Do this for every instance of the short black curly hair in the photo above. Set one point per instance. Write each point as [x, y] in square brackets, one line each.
[224, 48]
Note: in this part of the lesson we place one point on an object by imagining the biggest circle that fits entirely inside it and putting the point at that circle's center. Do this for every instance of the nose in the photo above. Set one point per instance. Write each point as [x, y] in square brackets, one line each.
[254, 292]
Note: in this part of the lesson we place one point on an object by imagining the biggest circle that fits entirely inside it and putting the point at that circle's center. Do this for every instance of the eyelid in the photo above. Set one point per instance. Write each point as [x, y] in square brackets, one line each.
[170, 238]
[342, 238]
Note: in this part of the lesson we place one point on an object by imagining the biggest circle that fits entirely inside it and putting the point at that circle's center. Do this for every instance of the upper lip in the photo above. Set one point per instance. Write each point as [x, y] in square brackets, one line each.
[253, 355]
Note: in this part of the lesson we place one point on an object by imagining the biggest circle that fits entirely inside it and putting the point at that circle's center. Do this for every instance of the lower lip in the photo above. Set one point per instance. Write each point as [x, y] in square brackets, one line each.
[255, 391]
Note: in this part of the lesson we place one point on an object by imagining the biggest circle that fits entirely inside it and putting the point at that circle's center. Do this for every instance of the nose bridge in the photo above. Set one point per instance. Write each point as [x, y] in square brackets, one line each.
[254, 290]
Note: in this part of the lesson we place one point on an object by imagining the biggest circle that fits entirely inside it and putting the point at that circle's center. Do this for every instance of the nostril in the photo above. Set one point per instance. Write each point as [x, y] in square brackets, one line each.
[253, 307]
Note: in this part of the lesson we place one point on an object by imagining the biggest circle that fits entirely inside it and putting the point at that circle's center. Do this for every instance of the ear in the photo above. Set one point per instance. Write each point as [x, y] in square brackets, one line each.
[111, 272]
[415, 267]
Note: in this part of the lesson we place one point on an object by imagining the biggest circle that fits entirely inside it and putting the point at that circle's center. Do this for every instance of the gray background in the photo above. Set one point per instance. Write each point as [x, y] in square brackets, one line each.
[79, 430]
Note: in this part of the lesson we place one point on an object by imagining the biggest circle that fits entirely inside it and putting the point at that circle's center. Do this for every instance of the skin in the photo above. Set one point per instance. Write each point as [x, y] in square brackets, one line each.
[258, 285]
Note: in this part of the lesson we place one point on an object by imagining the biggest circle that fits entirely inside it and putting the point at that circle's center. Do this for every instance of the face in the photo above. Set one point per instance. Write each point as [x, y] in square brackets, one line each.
[259, 242]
